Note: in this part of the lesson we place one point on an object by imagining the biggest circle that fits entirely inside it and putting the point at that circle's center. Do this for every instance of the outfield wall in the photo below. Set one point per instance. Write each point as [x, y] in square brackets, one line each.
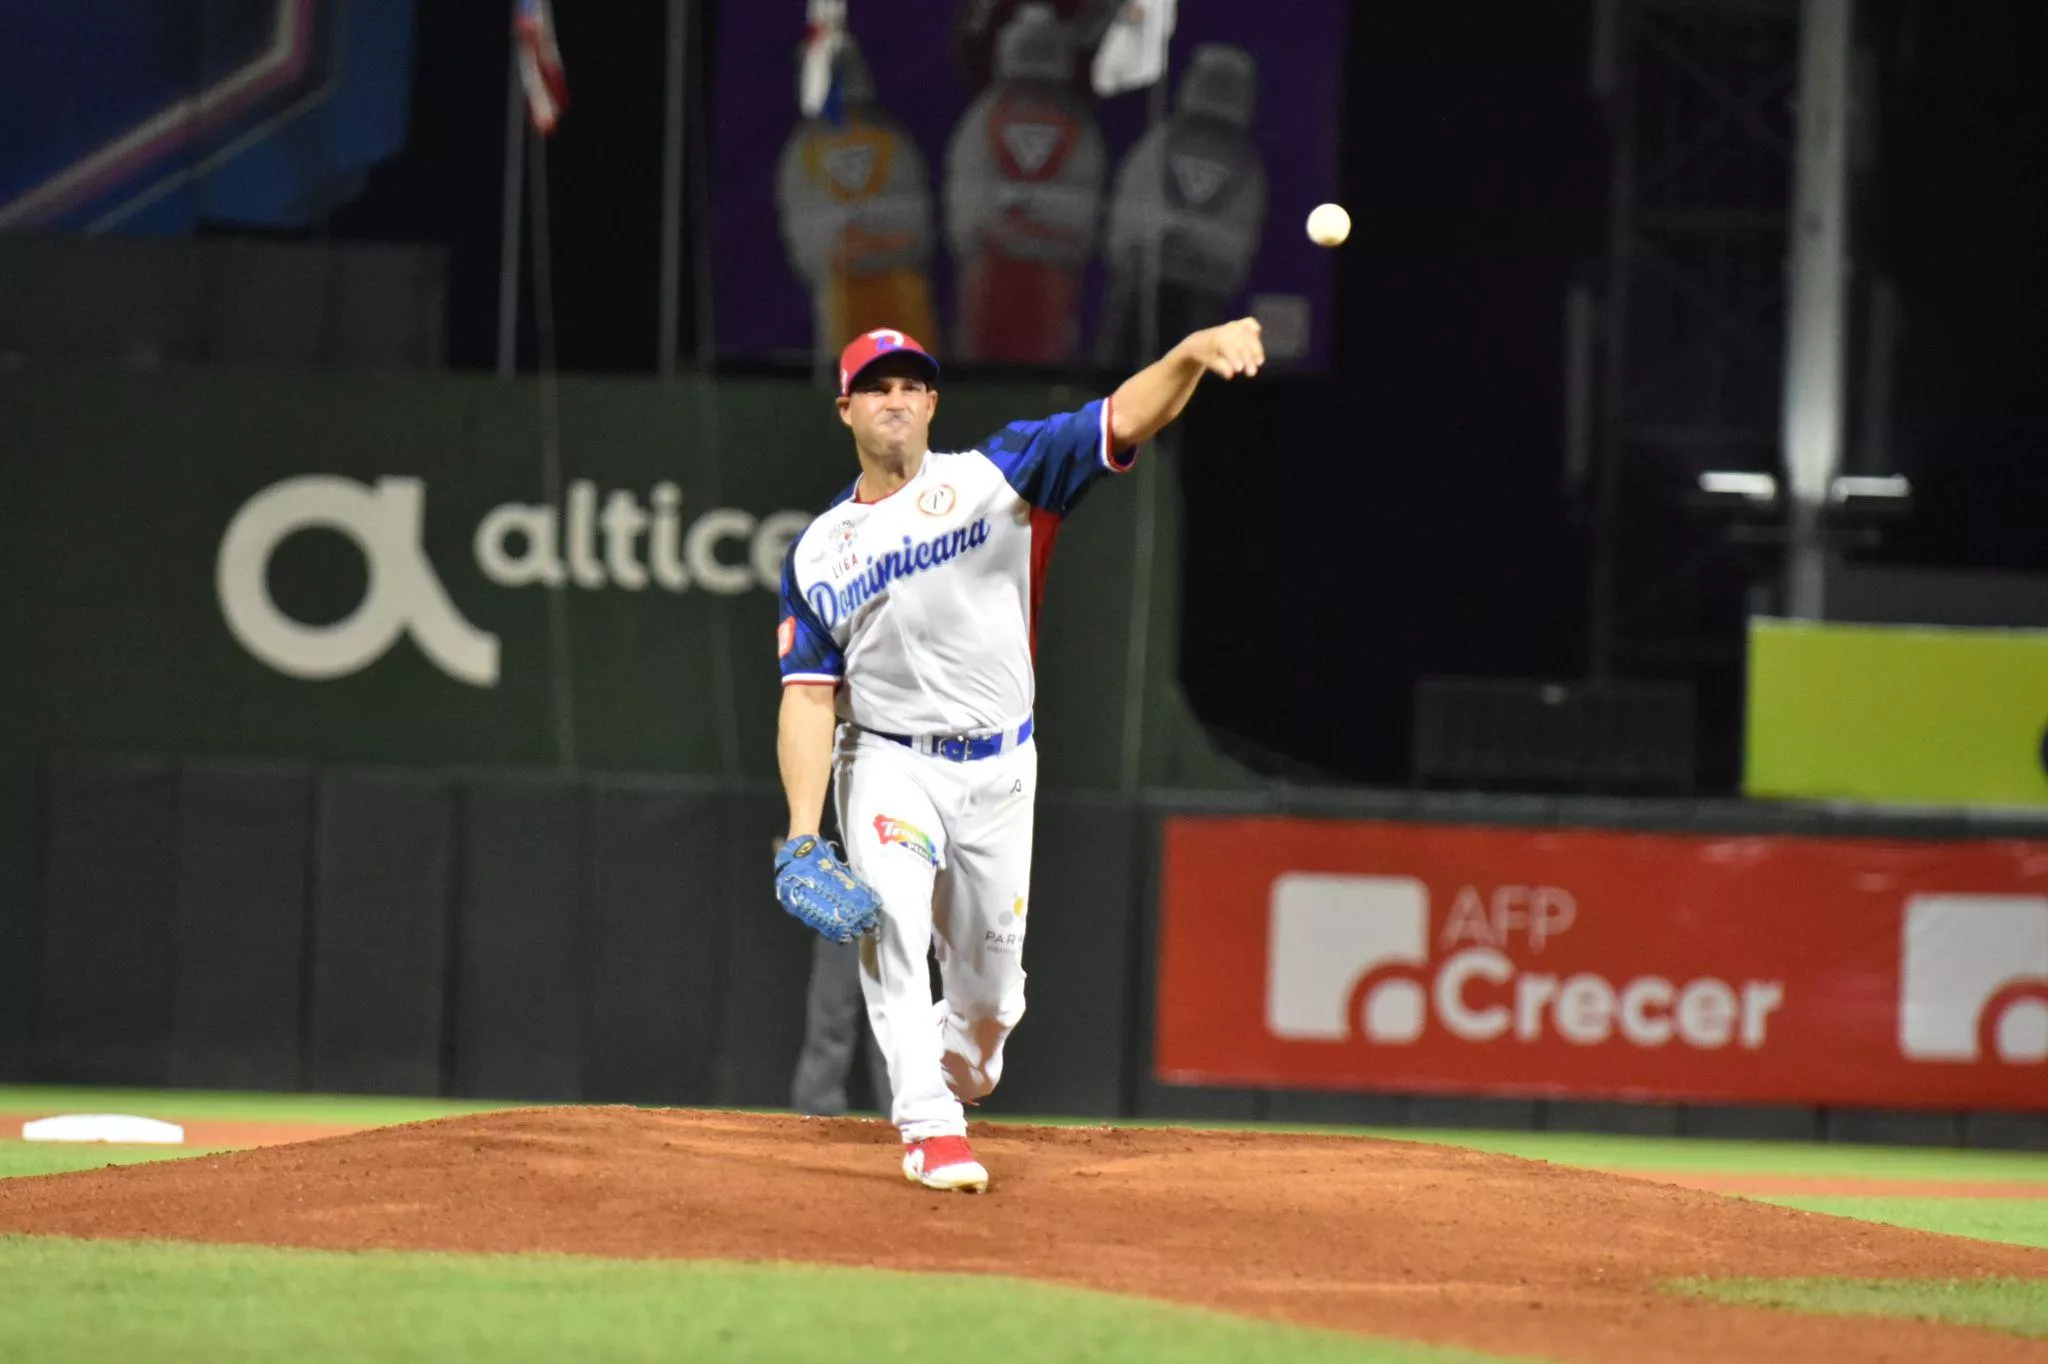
[415, 735]
[505, 934]
[502, 935]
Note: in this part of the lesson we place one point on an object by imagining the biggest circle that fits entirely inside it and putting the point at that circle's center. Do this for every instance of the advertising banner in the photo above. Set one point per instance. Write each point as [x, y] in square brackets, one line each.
[159, 117]
[436, 570]
[1914, 714]
[1572, 964]
[985, 175]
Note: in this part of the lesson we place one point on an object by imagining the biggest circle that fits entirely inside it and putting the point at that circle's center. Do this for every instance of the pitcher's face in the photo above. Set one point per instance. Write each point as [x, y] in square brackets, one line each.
[890, 409]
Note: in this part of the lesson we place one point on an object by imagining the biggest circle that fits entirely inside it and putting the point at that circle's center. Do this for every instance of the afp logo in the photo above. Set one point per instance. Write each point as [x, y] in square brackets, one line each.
[1332, 935]
[1973, 980]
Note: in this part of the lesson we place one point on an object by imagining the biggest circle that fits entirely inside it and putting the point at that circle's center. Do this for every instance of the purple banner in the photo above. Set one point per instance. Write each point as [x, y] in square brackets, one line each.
[981, 196]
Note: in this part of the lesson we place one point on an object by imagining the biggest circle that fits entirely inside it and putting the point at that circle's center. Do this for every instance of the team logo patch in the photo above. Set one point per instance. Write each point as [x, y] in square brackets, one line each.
[911, 837]
[785, 637]
[833, 543]
[937, 501]
[839, 547]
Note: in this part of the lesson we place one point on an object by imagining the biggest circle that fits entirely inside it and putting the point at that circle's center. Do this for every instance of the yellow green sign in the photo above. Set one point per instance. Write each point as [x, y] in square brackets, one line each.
[1897, 713]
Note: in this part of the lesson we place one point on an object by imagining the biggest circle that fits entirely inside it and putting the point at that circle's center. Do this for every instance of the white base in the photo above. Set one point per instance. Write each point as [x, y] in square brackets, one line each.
[109, 1127]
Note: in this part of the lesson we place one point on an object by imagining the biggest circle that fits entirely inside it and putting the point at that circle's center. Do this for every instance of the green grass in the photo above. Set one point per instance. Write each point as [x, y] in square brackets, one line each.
[83, 1301]
[56, 1158]
[1623, 1153]
[1706, 1155]
[2015, 1221]
[2015, 1306]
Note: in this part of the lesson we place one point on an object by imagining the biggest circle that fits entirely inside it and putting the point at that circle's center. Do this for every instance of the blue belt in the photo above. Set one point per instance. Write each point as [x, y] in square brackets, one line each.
[962, 748]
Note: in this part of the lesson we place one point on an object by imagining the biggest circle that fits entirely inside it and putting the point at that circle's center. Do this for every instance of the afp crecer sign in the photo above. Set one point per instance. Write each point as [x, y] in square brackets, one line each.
[1592, 964]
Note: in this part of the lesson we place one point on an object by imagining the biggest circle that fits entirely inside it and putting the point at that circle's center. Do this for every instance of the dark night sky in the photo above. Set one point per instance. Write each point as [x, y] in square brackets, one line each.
[1403, 516]
[1962, 227]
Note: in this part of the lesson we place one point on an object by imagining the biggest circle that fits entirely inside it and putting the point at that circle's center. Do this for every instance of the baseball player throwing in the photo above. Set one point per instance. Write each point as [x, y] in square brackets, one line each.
[909, 618]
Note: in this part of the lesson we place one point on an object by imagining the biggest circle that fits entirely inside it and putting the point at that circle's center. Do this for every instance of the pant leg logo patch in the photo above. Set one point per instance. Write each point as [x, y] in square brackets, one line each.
[907, 836]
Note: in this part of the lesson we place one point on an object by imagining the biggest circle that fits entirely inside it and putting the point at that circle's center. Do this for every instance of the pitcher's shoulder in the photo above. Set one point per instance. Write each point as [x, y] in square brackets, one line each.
[953, 465]
[816, 543]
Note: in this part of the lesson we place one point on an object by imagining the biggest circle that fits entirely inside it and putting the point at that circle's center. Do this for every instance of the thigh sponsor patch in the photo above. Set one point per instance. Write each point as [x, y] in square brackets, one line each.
[1008, 936]
[903, 834]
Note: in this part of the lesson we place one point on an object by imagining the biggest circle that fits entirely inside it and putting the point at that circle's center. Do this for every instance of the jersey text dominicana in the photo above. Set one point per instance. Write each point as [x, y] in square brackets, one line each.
[922, 606]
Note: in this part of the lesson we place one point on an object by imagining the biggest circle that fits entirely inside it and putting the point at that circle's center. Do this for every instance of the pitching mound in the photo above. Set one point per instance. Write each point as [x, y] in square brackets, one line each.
[1394, 1238]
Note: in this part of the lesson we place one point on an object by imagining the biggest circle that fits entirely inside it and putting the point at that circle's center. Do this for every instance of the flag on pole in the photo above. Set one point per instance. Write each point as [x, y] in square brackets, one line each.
[540, 65]
[1133, 51]
[821, 87]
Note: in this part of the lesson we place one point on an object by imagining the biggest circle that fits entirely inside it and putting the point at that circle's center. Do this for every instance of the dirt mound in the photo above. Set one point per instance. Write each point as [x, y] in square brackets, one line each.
[1395, 1238]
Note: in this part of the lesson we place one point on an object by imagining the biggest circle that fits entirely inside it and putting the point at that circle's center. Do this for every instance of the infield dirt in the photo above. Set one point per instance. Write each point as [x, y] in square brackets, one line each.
[1393, 1238]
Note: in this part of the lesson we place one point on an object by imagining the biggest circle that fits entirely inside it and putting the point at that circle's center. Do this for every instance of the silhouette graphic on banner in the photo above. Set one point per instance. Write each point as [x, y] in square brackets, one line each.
[1024, 178]
[1040, 182]
[855, 207]
[1193, 191]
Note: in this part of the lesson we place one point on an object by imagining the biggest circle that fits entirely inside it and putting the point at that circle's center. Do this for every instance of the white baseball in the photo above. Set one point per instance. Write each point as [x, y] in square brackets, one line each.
[1329, 225]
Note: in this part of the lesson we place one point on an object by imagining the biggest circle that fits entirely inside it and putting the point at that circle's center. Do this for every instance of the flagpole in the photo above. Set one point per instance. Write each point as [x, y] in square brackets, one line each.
[515, 174]
[699, 57]
[673, 85]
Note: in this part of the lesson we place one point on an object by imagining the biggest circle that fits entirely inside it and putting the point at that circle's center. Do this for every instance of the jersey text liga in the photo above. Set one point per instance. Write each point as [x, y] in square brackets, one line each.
[923, 604]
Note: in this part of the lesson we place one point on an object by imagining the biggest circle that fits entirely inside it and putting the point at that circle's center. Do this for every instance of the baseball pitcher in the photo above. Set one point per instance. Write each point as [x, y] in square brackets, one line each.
[909, 616]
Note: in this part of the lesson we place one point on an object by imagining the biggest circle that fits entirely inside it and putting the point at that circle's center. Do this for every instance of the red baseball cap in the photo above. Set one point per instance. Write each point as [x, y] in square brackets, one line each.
[869, 347]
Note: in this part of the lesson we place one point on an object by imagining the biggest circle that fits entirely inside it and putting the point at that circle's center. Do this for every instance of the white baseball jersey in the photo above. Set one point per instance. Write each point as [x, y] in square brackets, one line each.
[922, 606]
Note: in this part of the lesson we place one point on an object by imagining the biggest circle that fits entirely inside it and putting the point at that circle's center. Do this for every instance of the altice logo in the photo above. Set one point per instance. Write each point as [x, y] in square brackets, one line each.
[1973, 979]
[404, 594]
[587, 544]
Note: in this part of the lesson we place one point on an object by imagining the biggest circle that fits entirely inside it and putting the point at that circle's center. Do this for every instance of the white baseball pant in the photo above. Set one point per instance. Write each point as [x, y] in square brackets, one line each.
[947, 847]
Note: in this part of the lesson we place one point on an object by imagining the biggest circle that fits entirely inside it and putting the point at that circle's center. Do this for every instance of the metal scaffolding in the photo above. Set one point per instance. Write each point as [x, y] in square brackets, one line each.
[1678, 353]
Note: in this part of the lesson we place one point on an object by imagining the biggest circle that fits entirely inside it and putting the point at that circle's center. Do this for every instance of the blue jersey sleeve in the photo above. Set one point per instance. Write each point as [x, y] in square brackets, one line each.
[1051, 463]
[805, 645]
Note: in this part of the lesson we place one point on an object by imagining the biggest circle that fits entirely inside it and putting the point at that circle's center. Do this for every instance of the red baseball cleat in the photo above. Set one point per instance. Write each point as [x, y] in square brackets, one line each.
[944, 1163]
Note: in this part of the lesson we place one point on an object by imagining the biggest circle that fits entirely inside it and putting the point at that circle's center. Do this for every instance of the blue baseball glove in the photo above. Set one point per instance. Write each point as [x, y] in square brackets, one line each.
[821, 891]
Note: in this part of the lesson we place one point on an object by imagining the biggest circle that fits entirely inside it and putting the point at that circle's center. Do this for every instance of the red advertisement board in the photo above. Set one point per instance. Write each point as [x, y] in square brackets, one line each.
[1349, 955]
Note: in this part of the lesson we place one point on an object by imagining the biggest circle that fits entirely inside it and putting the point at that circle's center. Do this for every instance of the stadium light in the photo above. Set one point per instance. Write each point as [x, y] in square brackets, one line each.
[1727, 486]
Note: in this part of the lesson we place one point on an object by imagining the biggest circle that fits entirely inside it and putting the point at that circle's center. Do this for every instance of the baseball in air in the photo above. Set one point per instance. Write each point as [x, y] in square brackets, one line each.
[1329, 225]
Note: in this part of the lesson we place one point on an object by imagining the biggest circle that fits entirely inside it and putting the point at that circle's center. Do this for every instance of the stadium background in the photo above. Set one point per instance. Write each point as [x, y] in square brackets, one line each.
[1371, 618]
